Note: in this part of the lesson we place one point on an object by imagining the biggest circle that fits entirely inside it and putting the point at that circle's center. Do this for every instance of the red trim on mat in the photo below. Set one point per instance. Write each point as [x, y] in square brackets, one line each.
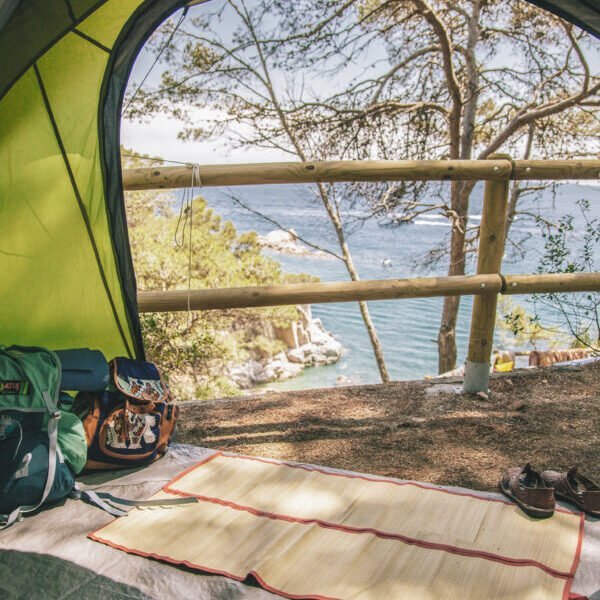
[567, 592]
[579, 543]
[192, 565]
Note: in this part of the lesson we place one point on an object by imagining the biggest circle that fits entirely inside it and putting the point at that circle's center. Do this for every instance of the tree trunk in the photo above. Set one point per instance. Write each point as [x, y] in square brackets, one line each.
[461, 145]
[329, 207]
[377, 348]
[364, 309]
[447, 334]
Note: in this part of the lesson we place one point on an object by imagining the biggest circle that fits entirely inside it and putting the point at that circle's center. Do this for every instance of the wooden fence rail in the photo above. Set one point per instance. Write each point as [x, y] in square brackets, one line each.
[317, 293]
[359, 170]
[353, 291]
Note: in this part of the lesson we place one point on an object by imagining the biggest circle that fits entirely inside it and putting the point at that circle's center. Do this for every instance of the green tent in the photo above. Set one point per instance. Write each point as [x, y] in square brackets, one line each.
[66, 275]
[65, 267]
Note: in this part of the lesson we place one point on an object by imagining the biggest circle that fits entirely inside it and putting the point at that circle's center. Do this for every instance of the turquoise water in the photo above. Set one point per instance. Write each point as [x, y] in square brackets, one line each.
[407, 328]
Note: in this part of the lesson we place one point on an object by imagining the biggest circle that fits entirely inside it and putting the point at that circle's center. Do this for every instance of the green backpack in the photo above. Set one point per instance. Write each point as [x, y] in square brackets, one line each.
[41, 446]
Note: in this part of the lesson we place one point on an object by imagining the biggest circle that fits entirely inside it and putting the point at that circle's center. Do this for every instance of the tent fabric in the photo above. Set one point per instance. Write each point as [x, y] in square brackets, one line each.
[583, 13]
[67, 274]
[49, 556]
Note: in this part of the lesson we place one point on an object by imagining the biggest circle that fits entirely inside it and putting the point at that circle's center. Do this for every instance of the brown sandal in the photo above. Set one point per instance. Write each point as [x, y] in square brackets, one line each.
[576, 489]
[527, 488]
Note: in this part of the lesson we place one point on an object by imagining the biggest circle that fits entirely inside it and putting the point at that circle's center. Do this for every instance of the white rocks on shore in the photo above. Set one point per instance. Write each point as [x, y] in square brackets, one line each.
[287, 242]
[309, 344]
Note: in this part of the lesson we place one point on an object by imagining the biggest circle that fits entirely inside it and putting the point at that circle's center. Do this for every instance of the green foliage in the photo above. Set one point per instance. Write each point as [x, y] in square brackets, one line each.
[194, 349]
[562, 252]
[517, 327]
[570, 246]
[571, 249]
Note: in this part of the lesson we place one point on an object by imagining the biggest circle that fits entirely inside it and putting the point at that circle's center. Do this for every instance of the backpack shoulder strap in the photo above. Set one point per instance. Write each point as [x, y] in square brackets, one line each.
[17, 513]
[51, 403]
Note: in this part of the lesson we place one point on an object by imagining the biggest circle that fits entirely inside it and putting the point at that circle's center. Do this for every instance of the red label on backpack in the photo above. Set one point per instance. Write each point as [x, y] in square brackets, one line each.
[14, 387]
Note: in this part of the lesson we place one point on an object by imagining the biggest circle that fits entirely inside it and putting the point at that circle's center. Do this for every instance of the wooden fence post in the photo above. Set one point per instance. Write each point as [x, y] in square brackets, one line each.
[489, 260]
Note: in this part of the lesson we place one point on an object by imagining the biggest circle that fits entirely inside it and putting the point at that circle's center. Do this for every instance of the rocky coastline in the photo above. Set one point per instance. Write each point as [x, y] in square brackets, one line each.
[287, 242]
[308, 344]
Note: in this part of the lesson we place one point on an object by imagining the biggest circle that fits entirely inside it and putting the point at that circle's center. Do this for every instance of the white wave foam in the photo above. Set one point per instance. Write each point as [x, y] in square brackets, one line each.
[432, 223]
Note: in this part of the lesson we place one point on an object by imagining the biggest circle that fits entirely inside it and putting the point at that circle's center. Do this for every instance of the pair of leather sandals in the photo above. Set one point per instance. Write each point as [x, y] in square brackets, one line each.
[535, 493]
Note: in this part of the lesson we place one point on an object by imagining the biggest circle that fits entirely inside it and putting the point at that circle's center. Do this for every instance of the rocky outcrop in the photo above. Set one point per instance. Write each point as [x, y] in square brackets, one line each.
[255, 372]
[287, 242]
[308, 344]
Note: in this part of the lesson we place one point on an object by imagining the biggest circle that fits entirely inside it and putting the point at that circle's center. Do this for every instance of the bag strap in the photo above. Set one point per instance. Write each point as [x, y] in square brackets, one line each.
[51, 403]
[18, 513]
[52, 446]
[110, 503]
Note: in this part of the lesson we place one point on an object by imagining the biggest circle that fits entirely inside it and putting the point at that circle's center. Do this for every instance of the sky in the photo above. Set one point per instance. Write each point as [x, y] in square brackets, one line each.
[158, 136]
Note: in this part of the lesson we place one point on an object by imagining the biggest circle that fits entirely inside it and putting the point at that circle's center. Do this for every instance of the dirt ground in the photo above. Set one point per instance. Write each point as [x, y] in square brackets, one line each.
[424, 431]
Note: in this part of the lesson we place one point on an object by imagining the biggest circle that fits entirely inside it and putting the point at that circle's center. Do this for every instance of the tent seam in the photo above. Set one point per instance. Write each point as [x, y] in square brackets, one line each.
[110, 161]
[91, 40]
[70, 10]
[82, 210]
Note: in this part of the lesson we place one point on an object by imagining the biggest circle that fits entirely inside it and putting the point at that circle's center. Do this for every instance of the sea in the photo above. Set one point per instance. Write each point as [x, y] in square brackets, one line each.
[407, 328]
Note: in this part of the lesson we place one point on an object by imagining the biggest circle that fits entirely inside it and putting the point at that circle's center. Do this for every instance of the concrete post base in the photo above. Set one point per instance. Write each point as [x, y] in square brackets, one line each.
[477, 377]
